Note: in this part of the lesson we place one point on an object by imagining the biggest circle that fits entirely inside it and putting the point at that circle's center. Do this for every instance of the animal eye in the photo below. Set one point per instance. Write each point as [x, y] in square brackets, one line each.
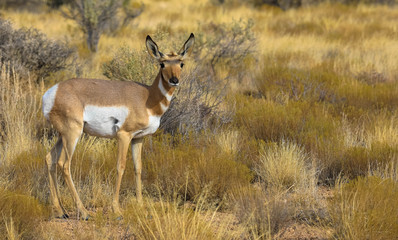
[162, 65]
[182, 65]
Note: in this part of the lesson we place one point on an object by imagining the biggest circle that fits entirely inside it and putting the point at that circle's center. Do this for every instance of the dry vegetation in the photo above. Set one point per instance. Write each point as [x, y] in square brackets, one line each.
[287, 120]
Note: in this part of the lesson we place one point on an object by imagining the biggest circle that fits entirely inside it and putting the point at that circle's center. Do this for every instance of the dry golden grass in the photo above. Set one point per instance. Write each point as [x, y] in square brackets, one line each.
[319, 101]
[175, 220]
[286, 165]
[19, 104]
[365, 208]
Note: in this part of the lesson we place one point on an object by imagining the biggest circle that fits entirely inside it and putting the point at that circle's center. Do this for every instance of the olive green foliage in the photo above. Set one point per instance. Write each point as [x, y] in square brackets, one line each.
[366, 208]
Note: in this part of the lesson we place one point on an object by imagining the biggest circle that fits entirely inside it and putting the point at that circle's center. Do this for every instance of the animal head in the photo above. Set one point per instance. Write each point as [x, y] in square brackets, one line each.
[170, 64]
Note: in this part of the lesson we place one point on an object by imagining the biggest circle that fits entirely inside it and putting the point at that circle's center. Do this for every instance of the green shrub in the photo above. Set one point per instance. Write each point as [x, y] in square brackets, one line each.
[366, 208]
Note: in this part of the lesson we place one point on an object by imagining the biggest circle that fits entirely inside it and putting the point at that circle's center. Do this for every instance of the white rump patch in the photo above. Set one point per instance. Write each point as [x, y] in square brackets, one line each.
[104, 121]
[48, 100]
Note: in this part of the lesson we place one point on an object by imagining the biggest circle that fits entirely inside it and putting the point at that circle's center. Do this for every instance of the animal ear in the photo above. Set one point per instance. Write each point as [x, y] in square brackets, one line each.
[153, 49]
[187, 48]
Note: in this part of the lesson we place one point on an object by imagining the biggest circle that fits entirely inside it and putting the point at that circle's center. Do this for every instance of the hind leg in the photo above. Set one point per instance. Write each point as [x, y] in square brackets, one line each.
[51, 160]
[69, 141]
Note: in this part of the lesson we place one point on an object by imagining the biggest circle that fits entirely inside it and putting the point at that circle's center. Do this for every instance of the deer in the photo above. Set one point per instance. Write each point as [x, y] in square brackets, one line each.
[125, 110]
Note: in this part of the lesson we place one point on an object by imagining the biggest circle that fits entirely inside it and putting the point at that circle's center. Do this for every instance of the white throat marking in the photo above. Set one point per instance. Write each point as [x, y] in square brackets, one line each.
[163, 90]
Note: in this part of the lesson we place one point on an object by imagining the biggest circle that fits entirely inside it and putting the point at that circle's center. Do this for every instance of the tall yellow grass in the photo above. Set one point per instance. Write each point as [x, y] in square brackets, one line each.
[320, 102]
[19, 104]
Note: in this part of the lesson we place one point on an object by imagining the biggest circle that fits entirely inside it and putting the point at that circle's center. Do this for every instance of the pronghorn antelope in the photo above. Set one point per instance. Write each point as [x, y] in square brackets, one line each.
[127, 111]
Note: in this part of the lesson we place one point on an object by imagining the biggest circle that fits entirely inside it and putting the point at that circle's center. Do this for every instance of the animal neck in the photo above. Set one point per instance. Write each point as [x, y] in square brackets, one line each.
[160, 95]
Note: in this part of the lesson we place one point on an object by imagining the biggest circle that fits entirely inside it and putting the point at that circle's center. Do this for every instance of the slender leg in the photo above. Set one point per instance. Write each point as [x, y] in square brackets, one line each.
[69, 143]
[136, 147]
[124, 139]
[51, 160]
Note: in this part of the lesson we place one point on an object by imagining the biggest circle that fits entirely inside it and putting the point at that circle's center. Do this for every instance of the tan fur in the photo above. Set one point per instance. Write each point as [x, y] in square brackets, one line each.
[142, 101]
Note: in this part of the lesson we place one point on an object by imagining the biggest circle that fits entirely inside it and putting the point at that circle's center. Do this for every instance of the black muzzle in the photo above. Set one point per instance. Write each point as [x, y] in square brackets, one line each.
[173, 81]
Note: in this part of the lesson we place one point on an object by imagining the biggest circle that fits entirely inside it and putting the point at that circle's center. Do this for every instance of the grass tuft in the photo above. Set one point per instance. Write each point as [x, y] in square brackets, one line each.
[20, 214]
[286, 166]
[366, 208]
[175, 220]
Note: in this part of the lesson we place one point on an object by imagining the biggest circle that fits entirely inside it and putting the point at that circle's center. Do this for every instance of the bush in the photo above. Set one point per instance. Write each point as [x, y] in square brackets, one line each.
[366, 208]
[29, 51]
[130, 65]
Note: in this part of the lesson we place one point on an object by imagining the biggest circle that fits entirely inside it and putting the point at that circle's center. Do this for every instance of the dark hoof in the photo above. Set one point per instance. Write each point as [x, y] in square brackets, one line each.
[86, 218]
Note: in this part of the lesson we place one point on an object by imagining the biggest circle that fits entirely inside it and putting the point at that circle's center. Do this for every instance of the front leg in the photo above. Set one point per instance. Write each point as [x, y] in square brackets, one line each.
[136, 147]
[124, 139]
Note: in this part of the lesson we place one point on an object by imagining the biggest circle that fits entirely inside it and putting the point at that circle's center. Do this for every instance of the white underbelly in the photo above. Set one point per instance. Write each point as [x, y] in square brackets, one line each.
[104, 121]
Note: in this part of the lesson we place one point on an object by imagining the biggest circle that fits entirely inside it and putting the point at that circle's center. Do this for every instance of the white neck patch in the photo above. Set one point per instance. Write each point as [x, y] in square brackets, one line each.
[163, 107]
[163, 90]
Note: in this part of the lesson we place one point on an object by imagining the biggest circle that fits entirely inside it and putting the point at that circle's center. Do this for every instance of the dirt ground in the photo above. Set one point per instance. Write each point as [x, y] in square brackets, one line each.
[73, 228]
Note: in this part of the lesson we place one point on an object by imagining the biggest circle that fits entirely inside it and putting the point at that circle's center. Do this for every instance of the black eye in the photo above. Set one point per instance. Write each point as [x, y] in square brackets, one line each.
[182, 65]
[162, 65]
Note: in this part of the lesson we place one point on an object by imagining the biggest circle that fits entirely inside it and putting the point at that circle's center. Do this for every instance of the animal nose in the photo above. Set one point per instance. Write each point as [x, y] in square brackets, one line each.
[173, 80]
